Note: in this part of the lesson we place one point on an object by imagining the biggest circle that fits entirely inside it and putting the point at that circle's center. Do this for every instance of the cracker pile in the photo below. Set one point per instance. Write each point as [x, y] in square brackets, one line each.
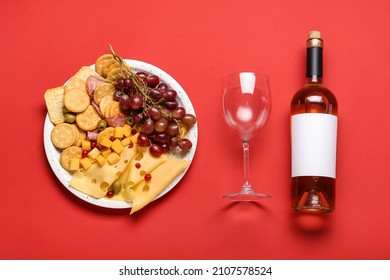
[76, 108]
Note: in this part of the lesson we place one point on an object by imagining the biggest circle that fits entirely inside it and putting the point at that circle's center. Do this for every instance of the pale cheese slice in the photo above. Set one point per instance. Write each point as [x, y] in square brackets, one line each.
[147, 164]
[96, 180]
[133, 175]
[162, 176]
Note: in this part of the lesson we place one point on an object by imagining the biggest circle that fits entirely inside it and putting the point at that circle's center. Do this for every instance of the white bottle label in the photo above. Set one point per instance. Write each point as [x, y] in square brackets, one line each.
[313, 145]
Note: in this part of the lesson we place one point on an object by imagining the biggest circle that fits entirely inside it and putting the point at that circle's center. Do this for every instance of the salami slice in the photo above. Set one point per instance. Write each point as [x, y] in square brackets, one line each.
[117, 120]
[92, 84]
[97, 108]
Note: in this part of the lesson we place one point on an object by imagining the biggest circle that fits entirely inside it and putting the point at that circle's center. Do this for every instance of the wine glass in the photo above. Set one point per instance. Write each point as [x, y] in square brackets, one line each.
[246, 107]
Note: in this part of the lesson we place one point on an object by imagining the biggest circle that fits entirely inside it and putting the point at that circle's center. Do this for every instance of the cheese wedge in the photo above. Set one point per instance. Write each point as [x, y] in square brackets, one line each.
[161, 177]
[147, 164]
[133, 175]
[96, 179]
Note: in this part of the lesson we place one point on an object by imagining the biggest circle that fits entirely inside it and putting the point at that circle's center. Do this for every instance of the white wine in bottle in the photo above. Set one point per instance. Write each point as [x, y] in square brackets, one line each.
[313, 137]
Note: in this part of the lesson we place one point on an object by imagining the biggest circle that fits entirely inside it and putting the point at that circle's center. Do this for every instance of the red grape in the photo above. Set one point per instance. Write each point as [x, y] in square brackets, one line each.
[120, 83]
[117, 95]
[163, 87]
[172, 105]
[173, 142]
[138, 118]
[127, 83]
[154, 113]
[188, 119]
[142, 75]
[170, 95]
[143, 140]
[152, 81]
[173, 129]
[124, 102]
[185, 144]
[178, 113]
[148, 126]
[136, 101]
[160, 138]
[155, 94]
[164, 147]
[161, 125]
[155, 150]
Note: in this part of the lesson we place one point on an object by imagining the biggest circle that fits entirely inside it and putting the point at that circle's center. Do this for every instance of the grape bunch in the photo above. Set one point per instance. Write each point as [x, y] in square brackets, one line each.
[152, 109]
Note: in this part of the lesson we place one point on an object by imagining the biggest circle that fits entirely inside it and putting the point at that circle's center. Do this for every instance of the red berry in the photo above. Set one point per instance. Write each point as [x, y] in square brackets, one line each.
[148, 177]
[112, 138]
[84, 153]
[93, 144]
[138, 165]
[110, 193]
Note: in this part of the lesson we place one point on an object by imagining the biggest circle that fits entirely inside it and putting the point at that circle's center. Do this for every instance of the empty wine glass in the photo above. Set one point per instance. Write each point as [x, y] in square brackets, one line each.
[246, 107]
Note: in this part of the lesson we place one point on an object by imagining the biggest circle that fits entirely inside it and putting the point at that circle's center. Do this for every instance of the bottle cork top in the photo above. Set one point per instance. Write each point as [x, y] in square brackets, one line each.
[315, 39]
[314, 34]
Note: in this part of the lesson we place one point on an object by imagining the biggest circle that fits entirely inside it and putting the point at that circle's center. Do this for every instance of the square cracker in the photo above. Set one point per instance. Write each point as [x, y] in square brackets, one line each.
[54, 99]
[79, 80]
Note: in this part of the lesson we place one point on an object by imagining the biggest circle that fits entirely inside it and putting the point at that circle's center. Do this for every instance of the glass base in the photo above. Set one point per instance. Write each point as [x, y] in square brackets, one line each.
[247, 196]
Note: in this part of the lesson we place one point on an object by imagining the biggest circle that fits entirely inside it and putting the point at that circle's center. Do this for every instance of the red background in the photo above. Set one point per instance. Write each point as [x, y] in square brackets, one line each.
[46, 42]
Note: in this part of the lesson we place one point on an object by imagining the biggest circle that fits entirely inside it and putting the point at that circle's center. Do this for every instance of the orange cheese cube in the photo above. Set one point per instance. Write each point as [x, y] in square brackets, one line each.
[117, 146]
[126, 141]
[113, 158]
[85, 163]
[105, 152]
[94, 153]
[74, 164]
[86, 145]
[126, 130]
[118, 132]
[101, 160]
[105, 142]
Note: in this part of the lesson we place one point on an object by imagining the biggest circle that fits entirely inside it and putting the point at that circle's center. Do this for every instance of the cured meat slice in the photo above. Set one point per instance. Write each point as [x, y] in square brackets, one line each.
[116, 120]
[92, 84]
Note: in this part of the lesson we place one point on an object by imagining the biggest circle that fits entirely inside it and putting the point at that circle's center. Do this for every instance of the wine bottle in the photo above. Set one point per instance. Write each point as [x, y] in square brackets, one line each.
[313, 137]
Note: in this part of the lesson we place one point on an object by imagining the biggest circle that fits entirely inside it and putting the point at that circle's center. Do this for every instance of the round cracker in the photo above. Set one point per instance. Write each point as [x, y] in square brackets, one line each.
[115, 109]
[108, 65]
[67, 155]
[99, 64]
[76, 132]
[88, 119]
[103, 90]
[114, 74]
[63, 135]
[76, 100]
[103, 103]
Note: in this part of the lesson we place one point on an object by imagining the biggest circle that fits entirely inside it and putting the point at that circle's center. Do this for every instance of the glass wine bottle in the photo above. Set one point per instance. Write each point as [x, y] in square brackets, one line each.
[313, 137]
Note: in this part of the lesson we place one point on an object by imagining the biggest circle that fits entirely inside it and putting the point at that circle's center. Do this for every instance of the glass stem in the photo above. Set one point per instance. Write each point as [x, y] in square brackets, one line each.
[246, 188]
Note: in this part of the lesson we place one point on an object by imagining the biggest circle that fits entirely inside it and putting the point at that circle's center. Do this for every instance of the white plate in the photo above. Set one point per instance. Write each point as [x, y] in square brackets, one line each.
[53, 154]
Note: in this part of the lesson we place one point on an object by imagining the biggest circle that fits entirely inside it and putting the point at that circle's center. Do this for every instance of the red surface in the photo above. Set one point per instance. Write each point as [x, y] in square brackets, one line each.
[44, 43]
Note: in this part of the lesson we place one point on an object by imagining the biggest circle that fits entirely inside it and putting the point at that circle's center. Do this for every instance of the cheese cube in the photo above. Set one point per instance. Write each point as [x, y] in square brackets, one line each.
[118, 132]
[113, 158]
[126, 130]
[117, 146]
[126, 141]
[74, 164]
[86, 145]
[94, 153]
[106, 142]
[85, 163]
[101, 160]
[105, 152]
